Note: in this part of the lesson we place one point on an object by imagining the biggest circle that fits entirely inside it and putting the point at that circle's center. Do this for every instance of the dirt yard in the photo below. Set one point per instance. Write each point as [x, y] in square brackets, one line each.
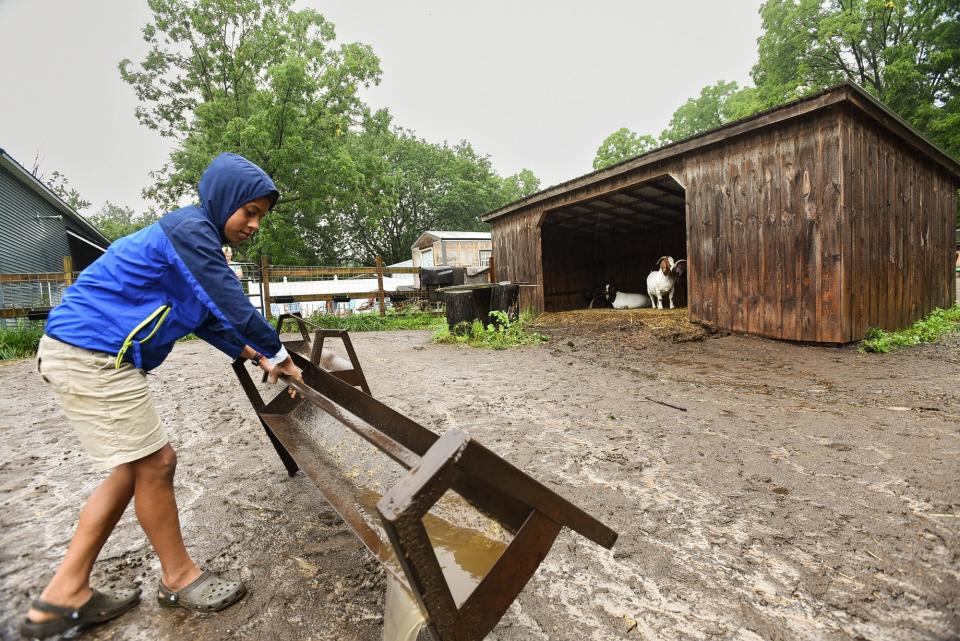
[761, 490]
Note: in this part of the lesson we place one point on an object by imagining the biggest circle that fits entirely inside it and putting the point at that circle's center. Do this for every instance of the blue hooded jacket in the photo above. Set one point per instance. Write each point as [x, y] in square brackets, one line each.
[170, 279]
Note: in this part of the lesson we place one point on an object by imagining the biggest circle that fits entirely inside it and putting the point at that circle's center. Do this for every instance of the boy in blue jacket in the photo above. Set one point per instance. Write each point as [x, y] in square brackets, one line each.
[118, 321]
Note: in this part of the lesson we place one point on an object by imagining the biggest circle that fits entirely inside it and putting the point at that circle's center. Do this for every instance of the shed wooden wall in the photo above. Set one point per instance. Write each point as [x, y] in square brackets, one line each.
[900, 212]
[516, 254]
[764, 232]
[816, 230]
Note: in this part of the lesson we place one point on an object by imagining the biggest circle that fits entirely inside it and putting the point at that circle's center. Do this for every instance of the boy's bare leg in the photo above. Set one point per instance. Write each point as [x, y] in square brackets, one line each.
[150, 481]
[70, 585]
[156, 509]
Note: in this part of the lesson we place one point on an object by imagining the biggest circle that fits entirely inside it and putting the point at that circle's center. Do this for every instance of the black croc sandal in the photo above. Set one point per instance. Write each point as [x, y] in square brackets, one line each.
[209, 593]
[99, 607]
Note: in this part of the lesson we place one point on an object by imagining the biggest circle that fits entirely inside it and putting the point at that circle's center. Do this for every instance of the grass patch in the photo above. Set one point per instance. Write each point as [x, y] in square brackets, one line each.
[507, 334]
[926, 330]
[374, 322]
[20, 341]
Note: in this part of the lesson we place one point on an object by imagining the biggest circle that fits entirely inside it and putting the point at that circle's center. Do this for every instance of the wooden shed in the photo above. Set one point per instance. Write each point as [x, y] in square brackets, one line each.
[451, 248]
[813, 222]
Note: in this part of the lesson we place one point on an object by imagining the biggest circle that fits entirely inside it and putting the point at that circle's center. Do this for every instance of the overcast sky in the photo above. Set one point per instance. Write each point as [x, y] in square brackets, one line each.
[531, 83]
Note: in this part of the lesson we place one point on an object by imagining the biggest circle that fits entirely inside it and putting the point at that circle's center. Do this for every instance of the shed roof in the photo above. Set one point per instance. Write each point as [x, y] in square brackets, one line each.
[848, 93]
[94, 237]
[453, 235]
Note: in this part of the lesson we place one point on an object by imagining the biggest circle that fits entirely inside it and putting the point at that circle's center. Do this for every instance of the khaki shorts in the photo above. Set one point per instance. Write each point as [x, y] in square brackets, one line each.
[110, 409]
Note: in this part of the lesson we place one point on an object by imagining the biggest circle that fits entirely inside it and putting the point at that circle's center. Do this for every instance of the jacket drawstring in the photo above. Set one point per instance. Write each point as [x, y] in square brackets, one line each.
[159, 314]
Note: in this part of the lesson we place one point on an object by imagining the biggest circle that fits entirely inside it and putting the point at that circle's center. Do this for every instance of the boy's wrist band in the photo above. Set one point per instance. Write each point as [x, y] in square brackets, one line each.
[279, 357]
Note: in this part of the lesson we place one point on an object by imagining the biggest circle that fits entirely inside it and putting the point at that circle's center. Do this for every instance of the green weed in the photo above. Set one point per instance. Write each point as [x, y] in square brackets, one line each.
[374, 322]
[926, 330]
[20, 341]
[501, 335]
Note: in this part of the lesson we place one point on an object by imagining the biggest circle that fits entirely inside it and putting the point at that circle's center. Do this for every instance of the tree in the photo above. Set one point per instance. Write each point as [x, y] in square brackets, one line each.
[402, 185]
[264, 81]
[716, 105]
[905, 52]
[59, 185]
[116, 221]
[621, 145]
[742, 103]
[520, 185]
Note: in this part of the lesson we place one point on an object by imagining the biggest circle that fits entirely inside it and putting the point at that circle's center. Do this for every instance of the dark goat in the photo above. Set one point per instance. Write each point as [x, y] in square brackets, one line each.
[601, 300]
[680, 287]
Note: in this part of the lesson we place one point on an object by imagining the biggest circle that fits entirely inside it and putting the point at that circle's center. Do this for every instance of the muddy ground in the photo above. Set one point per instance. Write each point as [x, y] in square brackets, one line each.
[762, 490]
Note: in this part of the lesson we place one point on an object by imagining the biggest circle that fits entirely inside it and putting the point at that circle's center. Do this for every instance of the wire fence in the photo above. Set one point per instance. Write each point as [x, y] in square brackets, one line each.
[339, 290]
[273, 289]
[28, 297]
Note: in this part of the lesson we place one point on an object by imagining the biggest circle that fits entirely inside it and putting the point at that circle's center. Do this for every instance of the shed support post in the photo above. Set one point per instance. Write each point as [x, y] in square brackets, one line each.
[67, 271]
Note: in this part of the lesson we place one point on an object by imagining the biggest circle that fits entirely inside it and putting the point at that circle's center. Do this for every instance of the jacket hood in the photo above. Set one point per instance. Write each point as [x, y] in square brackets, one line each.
[229, 182]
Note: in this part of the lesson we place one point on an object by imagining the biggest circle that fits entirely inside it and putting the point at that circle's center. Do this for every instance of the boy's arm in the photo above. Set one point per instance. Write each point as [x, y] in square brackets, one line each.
[227, 341]
[197, 256]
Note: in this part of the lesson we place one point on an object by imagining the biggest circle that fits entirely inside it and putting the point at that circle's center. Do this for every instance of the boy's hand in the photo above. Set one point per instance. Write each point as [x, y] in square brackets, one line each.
[287, 368]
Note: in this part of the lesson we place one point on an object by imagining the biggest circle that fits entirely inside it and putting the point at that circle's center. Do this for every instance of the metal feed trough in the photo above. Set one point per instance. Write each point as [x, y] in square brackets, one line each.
[530, 511]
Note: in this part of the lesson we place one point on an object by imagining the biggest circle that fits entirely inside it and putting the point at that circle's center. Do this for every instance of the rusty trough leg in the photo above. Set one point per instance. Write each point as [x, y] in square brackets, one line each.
[353, 376]
[240, 368]
[314, 349]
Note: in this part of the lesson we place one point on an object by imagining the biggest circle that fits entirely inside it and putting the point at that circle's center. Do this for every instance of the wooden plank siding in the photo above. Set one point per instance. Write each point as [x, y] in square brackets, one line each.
[829, 296]
[697, 269]
[770, 261]
[516, 251]
[788, 179]
[810, 228]
[901, 258]
[945, 193]
[764, 234]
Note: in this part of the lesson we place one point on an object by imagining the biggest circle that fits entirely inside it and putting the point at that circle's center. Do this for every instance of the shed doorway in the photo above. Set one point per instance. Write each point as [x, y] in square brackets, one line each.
[614, 238]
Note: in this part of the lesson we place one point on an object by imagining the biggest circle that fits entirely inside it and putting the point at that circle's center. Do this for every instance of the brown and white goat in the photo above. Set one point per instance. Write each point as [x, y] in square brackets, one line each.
[611, 297]
[661, 281]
